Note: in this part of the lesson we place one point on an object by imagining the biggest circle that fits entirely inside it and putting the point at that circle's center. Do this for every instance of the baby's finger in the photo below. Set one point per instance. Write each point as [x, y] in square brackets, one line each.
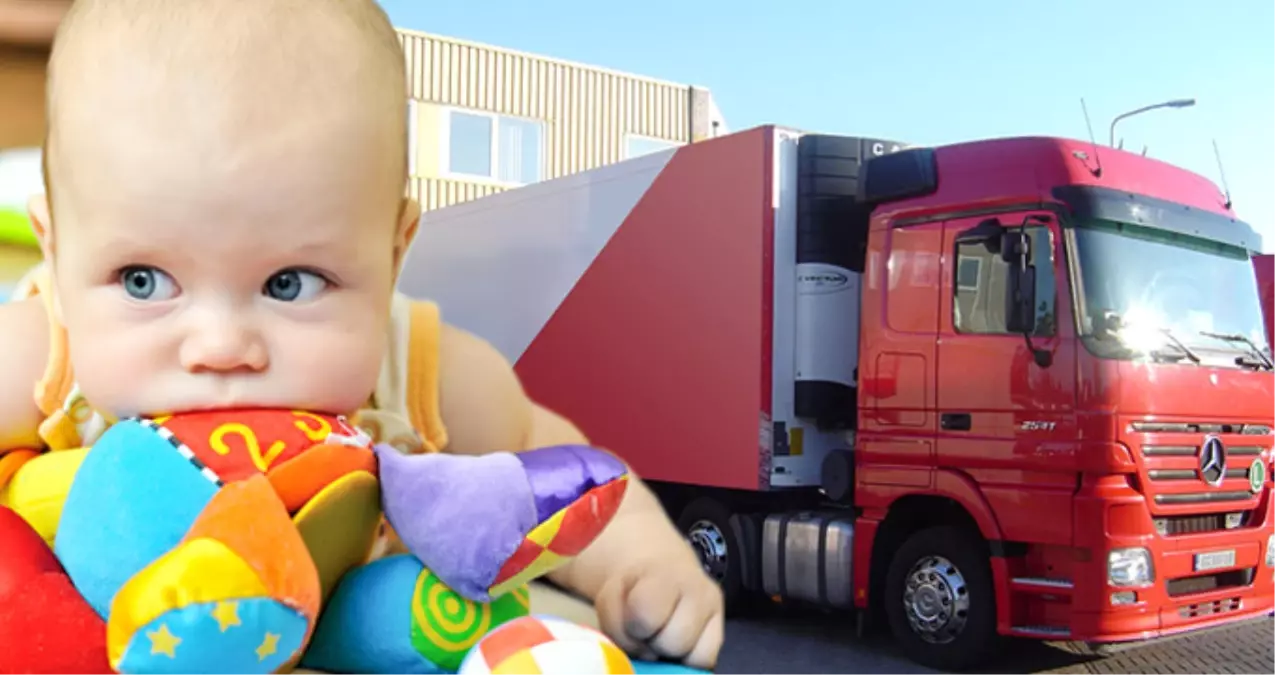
[649, 605]
[704, 655]
[610, 606]
[682, 630]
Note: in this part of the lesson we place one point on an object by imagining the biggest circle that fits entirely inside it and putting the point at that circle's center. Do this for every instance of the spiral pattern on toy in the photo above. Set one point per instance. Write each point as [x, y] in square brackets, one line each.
[449, 621]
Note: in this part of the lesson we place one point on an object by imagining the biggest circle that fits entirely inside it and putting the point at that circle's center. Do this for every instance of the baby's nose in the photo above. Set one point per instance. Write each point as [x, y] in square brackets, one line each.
[224, 348]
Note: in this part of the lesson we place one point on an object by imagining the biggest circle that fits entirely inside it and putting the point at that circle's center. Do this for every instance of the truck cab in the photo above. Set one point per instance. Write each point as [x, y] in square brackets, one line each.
[1067, 344]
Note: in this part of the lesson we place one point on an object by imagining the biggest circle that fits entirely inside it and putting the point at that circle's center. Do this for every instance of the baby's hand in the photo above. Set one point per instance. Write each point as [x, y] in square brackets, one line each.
[664, 607]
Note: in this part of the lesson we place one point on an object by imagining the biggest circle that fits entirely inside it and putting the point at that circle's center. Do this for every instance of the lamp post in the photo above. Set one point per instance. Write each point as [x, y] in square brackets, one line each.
[1176, 103]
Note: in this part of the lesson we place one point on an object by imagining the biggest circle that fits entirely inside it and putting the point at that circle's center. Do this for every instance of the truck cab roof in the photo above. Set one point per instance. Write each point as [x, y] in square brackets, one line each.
[1094, 181]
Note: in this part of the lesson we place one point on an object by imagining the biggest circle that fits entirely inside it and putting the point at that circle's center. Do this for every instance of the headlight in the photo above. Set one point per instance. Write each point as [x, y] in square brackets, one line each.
[1130, 567]
[1270, 551]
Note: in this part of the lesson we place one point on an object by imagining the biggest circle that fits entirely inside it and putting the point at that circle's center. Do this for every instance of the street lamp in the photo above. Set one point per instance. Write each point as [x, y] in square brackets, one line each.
[1176, 103]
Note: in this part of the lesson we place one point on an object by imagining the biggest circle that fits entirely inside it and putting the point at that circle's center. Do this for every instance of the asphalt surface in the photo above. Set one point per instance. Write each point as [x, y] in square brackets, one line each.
[784, 640]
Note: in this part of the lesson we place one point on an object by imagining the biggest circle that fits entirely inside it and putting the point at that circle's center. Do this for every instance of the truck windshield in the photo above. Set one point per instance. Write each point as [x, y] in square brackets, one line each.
[1160, 293]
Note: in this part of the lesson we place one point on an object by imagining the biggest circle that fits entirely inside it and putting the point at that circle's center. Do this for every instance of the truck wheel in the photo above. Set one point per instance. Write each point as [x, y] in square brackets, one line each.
[706, 525]
[940, 601]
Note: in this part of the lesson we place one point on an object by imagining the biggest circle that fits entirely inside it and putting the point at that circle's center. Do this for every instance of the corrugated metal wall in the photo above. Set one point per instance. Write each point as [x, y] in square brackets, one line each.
[435, 193]
[587, 112]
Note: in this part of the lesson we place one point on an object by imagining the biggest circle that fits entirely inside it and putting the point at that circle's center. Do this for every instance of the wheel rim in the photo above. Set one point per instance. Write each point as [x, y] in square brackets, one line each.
[710, 545]
[936, 600]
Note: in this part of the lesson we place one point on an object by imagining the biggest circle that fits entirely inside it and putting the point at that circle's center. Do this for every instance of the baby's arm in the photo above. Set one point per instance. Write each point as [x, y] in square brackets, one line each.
[486, 410]
[24, 348]
[650, 597]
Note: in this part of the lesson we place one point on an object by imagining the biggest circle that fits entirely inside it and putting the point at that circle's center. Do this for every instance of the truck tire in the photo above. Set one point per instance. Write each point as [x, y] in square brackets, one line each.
[940, 601]
[705, 523]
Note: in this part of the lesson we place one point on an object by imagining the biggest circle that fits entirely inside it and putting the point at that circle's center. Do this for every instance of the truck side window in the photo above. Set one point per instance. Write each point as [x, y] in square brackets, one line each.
[979, 302]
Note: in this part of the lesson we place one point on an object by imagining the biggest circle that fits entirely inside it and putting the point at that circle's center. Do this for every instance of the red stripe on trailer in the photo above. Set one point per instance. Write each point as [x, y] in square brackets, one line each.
[669, 321]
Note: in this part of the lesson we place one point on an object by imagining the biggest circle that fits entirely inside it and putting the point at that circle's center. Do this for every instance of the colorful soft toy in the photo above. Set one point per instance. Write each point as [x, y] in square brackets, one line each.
[235, 541]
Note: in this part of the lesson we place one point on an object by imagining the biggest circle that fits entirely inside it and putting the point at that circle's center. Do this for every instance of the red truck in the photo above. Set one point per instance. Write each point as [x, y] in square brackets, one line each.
[1000, 388]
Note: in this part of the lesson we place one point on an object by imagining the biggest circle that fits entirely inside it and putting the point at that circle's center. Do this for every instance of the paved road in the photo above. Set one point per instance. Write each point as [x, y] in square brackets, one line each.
[797, 641]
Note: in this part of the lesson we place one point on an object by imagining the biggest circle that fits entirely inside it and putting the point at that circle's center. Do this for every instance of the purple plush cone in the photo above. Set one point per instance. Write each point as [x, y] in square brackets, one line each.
[463, 516]
[561, 474]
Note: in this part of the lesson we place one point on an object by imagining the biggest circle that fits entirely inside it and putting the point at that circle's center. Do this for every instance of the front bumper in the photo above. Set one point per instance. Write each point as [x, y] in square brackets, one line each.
[1179, 600]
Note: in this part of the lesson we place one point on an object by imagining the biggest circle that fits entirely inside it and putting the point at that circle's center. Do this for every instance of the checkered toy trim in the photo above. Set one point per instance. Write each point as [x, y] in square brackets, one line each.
[181, 447]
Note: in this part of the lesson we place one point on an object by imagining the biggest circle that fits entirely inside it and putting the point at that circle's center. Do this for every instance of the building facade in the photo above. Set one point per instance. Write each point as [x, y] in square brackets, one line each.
[484, 119]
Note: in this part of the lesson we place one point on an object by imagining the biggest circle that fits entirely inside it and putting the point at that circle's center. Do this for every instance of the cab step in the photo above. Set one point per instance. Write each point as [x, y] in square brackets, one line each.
[1042, 586]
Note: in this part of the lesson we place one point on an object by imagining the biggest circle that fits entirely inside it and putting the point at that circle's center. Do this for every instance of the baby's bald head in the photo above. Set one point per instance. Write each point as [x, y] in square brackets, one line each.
[225, 88]
[228, 181]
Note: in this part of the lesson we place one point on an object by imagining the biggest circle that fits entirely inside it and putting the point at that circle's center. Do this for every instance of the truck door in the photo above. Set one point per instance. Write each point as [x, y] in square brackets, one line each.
[1003, 417]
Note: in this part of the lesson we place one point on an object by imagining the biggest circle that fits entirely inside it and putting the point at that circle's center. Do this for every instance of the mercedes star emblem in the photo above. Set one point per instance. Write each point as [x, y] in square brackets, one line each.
[1213, 461]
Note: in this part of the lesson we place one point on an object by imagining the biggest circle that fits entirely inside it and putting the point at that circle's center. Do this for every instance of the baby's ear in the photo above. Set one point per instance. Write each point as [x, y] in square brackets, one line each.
[38, 210]
[408, 222]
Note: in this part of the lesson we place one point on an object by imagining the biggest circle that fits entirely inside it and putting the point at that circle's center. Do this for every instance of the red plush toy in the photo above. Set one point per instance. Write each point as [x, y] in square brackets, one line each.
[44, 623]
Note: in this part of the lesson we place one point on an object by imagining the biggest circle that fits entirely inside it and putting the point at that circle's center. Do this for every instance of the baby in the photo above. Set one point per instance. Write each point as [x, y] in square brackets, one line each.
[223, 226]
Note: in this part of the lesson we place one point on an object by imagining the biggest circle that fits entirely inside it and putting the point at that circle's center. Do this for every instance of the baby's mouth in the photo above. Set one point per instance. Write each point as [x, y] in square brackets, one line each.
[222, 392]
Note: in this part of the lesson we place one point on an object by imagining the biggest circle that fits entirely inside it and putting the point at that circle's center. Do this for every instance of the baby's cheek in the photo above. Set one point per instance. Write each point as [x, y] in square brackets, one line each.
[111, 364]
[336, 369]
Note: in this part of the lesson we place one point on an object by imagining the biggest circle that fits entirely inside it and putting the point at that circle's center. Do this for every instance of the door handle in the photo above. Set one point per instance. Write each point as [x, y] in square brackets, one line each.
[955, 421]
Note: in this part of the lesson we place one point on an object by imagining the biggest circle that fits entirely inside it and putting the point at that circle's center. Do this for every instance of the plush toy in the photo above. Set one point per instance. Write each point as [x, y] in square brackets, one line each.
[235, 541]
[532, 645]
[545, 645]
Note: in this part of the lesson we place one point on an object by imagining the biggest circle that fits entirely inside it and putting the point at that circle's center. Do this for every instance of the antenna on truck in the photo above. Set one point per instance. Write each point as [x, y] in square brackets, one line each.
[1226, 190]
[1097, 172]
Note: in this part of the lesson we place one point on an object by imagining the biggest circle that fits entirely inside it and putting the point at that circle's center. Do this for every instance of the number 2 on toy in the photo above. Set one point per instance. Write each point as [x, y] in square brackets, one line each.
[262, 462]
[317, 434]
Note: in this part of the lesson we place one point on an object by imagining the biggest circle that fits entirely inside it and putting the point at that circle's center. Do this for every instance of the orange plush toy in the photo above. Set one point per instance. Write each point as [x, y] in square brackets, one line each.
[236, 541]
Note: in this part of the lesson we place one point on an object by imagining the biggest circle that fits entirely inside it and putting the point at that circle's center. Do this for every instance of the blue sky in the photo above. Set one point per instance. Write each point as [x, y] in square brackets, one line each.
[935, 71]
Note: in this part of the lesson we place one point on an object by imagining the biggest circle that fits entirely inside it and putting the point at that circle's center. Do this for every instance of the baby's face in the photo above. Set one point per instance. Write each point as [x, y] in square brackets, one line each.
[216, 272]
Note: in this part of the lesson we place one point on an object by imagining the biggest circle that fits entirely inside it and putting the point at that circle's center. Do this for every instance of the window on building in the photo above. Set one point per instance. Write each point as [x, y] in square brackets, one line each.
[636, 146]
[518, 150]
[497, 147]
[982, 282]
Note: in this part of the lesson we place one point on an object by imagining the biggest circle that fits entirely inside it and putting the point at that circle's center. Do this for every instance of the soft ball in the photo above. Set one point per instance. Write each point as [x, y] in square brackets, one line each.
[537, 645]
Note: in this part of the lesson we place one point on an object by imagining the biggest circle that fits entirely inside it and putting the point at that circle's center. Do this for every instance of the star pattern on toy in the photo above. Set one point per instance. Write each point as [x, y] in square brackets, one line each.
[227, 615]
[268, 646]
[163, 641]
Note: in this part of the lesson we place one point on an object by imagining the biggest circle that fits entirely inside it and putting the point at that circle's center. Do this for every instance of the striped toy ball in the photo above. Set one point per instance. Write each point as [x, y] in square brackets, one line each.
[544, 645]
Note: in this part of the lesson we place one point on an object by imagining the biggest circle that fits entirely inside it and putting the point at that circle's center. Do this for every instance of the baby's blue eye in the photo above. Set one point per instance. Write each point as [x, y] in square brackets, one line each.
[294, 285]
[147, 283]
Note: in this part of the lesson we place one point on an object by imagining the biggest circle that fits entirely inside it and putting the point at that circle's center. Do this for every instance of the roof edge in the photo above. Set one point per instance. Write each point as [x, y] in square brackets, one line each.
[548, 59]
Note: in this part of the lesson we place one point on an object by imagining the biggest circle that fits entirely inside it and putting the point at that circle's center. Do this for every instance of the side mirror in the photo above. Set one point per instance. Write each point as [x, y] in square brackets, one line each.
[1020, 300]
[1020, 286]
[1020, 292]
[1016, 248]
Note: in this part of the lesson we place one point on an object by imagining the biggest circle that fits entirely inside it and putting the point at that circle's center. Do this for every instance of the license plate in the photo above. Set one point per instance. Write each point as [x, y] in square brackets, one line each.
[1214, 560]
